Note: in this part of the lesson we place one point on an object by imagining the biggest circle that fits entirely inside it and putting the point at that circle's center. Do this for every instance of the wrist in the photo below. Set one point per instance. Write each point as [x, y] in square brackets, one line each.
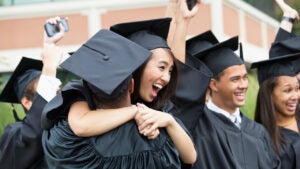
[288, 19]
[135, 109]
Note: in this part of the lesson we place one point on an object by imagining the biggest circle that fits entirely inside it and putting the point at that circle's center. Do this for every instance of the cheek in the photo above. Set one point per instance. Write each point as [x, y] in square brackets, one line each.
[280, 99]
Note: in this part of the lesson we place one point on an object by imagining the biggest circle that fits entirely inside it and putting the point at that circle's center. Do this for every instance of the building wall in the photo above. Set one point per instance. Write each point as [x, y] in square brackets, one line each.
[21, 27]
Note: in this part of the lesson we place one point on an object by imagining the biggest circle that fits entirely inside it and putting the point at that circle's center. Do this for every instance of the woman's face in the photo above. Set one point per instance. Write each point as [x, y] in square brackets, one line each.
[156, 75]
[285, 96]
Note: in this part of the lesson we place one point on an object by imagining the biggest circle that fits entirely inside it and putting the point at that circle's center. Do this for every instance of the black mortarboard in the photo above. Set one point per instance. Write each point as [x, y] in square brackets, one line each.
[27, 70]
[274, 67]
[200, 43]
[285, 43]
[106, 60]
[221, 56]
[150, 34]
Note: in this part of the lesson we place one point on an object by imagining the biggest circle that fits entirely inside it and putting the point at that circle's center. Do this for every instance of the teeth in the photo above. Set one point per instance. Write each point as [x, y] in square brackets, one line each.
[158, 86]
[292, 105]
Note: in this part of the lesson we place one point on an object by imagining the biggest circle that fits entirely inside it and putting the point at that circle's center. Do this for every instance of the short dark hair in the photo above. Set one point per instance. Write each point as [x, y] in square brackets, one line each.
[29, 90]
[118, 95]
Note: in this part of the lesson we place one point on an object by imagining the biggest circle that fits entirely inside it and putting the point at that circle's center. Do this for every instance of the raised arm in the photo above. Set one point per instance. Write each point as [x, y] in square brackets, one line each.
[181, 17]
[289, 15]
[20, 143]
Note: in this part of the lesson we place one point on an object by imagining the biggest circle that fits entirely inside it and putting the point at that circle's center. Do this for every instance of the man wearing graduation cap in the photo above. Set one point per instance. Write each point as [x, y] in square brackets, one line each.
[33, 84]
[122, 147]
[225, 138]
[219, 142]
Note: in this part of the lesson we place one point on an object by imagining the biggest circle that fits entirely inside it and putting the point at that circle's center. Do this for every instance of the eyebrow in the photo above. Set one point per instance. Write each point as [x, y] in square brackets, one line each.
[237, 76]
[164, 62]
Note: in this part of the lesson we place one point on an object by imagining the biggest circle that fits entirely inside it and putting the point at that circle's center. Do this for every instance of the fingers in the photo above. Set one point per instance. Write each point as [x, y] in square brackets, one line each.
[149, 131]
[154, 134]
[59, 35]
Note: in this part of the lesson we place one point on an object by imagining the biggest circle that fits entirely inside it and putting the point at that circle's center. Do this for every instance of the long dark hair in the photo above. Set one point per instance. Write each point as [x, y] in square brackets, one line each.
[163, 95]
[265, 112]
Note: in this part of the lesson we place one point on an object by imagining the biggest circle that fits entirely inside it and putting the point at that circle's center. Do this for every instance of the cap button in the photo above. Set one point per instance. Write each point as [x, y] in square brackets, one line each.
[105, 58]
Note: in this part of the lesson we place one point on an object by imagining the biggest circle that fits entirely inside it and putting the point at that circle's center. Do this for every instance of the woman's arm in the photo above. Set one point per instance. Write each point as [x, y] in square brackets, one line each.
[85, 122]
[150, 119]
[181, 17]
[289, 13]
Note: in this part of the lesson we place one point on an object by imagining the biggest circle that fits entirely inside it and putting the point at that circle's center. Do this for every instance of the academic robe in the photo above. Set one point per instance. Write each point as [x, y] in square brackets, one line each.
[290, 152]
[189, 97]
[222, 145]
[20, 144]
[123, 147]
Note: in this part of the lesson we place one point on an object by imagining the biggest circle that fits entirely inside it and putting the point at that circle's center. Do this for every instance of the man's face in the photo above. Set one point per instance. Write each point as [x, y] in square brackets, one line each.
[230, 90]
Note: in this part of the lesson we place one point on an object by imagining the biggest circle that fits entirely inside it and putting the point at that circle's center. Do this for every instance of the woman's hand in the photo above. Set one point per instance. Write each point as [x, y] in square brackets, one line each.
[58, 36]
[149, 121]
[287, 10]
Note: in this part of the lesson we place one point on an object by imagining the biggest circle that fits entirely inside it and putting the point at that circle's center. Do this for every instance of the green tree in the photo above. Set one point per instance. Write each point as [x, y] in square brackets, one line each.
[294, 4]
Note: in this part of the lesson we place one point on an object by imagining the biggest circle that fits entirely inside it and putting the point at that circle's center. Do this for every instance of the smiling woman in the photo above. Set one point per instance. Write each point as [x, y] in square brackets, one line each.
[154, 83]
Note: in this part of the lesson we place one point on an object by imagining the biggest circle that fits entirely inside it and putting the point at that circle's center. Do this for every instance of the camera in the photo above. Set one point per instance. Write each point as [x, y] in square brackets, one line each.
[52, 29]
[191, 4]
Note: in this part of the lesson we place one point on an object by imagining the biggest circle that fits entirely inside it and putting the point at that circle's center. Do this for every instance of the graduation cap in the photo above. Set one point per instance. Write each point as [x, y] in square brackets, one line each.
[150, 34]
[221, 56]
[274, 67]
[200, 43]
[106, 60]
[26, 71]
[285, 43]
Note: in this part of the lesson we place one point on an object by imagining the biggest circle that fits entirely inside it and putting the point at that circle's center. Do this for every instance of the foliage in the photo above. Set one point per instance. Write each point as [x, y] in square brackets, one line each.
[294, 4]
[249, 108]
[5, 108]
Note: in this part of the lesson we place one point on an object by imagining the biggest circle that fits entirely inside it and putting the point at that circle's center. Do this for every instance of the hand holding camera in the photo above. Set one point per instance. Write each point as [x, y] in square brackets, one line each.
[55, 29]
[191, 4]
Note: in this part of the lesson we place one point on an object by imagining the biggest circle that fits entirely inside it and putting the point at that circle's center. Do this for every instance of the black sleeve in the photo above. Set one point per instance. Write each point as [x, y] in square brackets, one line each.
[189, 97]
[20, 144]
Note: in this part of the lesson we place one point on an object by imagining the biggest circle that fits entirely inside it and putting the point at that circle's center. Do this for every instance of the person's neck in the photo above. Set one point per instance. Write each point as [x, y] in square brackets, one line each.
[288, 122]
[220, 105]
[115, 105]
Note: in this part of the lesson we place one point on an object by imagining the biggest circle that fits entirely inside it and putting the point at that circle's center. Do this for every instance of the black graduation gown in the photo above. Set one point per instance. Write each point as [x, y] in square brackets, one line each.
[189, 97]
[222, 145]
[20, 144]
[120, 148]
[290, 152]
